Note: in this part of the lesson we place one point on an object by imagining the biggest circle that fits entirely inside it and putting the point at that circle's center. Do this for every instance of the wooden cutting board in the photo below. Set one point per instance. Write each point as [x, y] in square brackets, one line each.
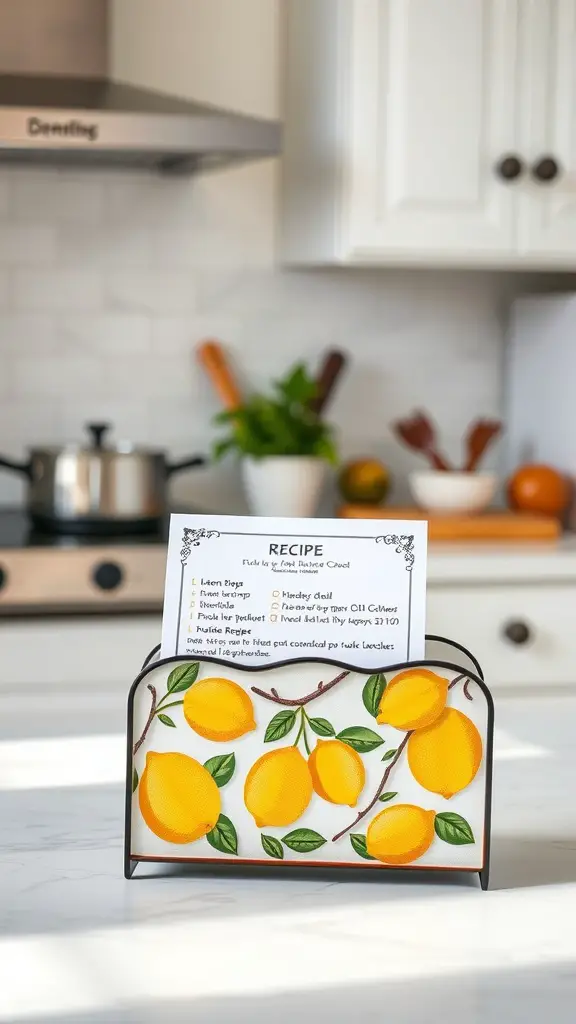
[488, 526]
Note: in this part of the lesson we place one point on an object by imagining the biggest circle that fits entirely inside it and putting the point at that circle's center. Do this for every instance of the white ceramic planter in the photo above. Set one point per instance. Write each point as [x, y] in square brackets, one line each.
[284, 485]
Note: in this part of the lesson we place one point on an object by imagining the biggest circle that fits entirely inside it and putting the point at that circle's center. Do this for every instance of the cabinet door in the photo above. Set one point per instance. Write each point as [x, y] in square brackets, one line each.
[547, 211]
[432, 111]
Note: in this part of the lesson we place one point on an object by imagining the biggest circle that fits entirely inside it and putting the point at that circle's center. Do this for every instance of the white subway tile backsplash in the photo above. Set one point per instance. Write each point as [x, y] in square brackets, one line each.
[108, 246]
[104, 334]
[57, 196]
[109, 280]
[150, 292]
[5, 288]
[69, 376]
[57, 289]
[128, 420]
[27, 334]
[27, 245]
[5, 194]
[171, 334]
[129, 376]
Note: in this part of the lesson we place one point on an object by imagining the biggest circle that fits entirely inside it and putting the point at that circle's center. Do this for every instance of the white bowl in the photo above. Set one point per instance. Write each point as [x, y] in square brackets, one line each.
[452, 492]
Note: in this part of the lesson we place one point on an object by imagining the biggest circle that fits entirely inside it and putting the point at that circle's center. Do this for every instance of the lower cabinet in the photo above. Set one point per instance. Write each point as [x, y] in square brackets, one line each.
[521, 634]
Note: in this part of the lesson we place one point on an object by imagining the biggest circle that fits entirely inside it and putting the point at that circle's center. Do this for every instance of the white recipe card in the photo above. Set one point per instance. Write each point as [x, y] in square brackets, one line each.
[262, 590]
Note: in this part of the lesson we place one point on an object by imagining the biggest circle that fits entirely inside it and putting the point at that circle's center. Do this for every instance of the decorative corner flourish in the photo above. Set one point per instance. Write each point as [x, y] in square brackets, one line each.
[404, 546]
[191, 539]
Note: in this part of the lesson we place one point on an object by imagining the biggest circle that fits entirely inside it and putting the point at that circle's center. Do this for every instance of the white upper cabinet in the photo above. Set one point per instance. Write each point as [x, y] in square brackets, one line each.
[415, 131]
[547, 201]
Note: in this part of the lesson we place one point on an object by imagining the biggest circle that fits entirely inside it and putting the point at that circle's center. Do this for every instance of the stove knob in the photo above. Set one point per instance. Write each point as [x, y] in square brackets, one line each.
[107, 575]
[3, 578]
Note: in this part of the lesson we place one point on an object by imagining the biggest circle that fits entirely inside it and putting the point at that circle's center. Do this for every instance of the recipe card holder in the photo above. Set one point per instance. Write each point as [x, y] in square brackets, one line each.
[288, 765]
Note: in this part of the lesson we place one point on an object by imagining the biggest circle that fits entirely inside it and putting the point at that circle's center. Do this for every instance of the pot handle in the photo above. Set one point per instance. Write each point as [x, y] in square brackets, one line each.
[17, 467]
[189, 463]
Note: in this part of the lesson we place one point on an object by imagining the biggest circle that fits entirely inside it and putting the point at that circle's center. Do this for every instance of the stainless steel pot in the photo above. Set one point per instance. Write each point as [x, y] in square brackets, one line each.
[99, 487]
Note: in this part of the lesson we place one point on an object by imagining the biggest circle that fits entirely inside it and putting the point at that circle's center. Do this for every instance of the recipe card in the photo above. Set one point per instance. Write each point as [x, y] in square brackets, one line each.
[261, 590]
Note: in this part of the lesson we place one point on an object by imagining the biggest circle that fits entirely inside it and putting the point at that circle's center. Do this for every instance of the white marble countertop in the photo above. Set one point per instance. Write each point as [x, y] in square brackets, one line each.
[79, 944]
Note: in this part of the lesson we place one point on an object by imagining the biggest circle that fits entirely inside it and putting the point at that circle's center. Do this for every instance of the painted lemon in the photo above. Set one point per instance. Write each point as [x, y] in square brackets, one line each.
[413, 699]
[338, 773]
[445, 757]
[179, 800]
[219, 710]
[400, 834]
[278, 787]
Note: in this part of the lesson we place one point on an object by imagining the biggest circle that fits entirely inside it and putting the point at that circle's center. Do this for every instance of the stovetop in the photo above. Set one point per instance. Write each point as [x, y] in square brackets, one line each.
[17, 531]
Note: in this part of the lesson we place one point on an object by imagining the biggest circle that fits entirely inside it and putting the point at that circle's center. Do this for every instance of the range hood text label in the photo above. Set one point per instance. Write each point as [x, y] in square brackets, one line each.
[62, 129]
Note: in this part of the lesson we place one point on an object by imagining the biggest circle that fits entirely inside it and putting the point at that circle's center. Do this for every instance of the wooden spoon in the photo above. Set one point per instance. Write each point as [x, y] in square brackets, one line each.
[330, 370]
[480, 436]
[418, 432]
[213, 360]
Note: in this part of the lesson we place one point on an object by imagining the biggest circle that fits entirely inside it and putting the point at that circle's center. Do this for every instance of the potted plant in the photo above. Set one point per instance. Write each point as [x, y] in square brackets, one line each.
[284, 445]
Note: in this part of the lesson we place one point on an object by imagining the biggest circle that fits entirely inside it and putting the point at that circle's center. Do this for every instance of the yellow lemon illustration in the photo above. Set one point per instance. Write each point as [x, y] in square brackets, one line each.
[179, 800]
[445, 757]
[278, 787]
[338, 773]
[400, 834]
[219, 710]
[413, 699]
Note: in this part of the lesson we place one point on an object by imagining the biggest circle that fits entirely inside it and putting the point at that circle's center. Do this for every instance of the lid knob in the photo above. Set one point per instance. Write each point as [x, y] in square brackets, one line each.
[97, 430]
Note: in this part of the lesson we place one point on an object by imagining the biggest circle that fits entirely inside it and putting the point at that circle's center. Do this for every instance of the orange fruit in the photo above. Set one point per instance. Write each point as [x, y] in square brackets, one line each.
[539, 489]
[364, 481]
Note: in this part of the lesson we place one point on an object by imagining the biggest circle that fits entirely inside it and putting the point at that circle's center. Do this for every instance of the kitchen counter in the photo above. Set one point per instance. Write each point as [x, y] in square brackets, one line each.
[502, 563]
[79, 944]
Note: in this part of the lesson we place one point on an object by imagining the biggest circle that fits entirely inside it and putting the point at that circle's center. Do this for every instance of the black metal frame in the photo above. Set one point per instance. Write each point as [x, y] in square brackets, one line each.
[149, 665]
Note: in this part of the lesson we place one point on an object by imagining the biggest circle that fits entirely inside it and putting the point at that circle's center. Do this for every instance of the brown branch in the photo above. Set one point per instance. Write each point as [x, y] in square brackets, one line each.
[395, 759]
[459, 679]
[300, 701]
[379, 791]
[139, 743]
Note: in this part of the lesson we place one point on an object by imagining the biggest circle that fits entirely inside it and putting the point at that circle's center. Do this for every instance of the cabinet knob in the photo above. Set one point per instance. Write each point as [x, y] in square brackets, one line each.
[107, 576]
[545, 170]
[509, 168]
[517, 633]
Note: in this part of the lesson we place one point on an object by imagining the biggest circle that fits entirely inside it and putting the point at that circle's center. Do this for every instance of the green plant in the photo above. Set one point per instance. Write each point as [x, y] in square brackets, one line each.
[282, 424]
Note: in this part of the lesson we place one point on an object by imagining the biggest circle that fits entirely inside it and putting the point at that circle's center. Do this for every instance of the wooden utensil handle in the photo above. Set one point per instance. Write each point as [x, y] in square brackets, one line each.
[437, 460]
[326, 382]
[212, 359]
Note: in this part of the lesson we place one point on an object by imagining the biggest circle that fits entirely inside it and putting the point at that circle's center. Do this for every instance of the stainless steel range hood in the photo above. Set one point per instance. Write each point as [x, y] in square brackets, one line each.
[62, 118]
[71, 120]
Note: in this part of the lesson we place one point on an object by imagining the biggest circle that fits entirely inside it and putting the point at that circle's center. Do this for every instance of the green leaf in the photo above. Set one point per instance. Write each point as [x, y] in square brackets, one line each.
[273, 847]
[221, 768]
[280, 725]
[321, 726]
[360, 739]
[389, 755]
[372, 693]
[359, 846]
[453, 828]
[182, 677]
[166, 720]
[223, 836]
[386, 797]
[134, 780]
[303, 840]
